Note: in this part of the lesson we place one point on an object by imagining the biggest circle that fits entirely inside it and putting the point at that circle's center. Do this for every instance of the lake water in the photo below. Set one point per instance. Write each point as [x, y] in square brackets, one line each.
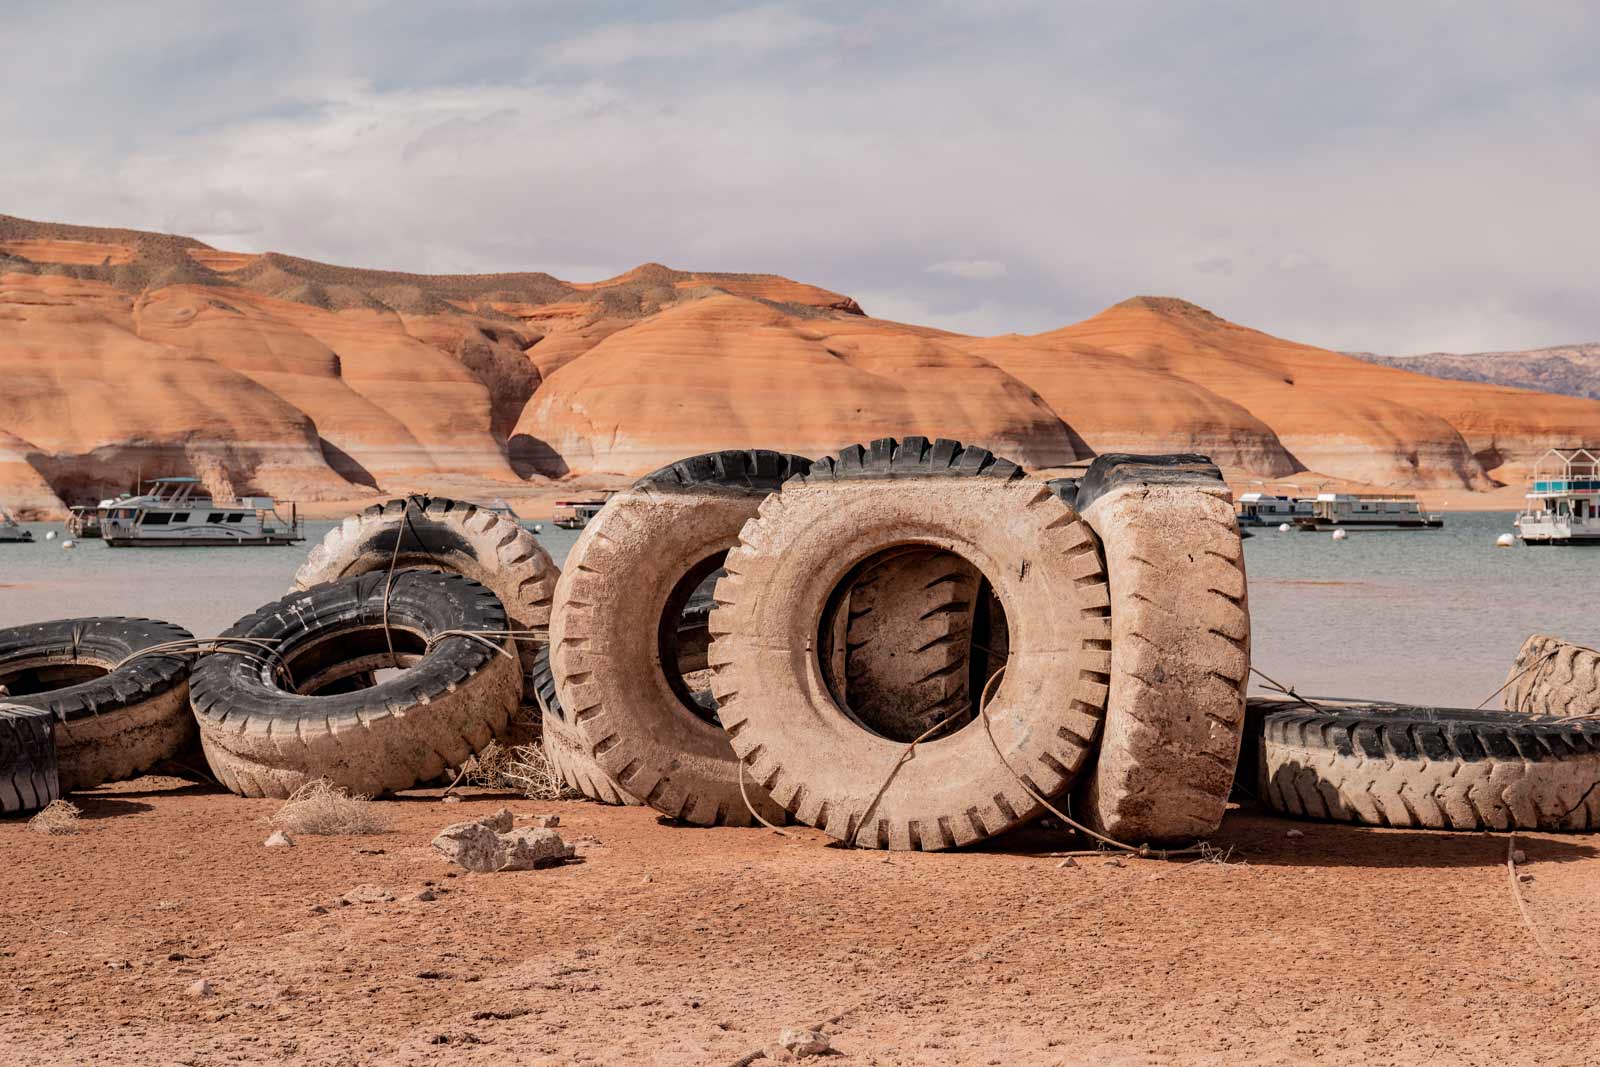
[1423, 616]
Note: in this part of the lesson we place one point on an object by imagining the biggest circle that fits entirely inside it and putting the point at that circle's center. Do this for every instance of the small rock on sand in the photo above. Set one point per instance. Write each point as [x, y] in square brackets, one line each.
[1519, 856]
[480, 847]
[1068, 862]
[545, 822]
[278, 839]
[367, 894]
[1294, 833]
[533, 847]
[202, 988]
[802, 1043]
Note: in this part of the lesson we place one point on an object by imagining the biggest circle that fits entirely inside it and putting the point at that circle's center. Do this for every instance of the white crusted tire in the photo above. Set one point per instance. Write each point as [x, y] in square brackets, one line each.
[111, 723]
[1180, 648]
[1554, 677]
[617, 610]
[565, 745]
[28, 778]
[451, 536]
[269, 725]
[825, 766]
[905, 666]
[1434, 768]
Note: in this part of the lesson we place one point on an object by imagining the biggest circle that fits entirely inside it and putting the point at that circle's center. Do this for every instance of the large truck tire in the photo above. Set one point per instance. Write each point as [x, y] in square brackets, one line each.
[1434, 768]
[617, 610]
[28, 780]
[111, 723]
[565, 746]
[1180, 648]
[826, 766]
[452, 536]
[319, 707]
[1554, 677]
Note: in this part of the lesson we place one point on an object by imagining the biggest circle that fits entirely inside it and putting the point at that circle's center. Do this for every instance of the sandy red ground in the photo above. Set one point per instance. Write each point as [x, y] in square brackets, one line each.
[690, 946]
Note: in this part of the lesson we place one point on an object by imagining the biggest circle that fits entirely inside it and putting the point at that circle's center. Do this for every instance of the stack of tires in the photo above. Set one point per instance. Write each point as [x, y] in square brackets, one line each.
[912, 645]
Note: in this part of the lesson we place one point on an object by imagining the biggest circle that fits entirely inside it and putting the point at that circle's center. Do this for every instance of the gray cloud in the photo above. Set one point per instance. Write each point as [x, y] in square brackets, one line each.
[1374, 176]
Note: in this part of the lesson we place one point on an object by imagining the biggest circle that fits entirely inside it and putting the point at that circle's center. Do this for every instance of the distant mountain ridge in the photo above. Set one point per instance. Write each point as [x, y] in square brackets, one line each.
[1567, 370]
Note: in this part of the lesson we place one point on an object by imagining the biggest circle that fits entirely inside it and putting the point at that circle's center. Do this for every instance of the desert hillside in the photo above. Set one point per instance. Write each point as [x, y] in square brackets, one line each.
[127, 353]
[1571, 370]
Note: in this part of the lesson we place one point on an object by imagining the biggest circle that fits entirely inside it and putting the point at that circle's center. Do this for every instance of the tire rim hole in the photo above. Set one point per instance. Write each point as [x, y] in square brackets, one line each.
[34, 675]
[908, 639]
[348, 659]
[683, 637]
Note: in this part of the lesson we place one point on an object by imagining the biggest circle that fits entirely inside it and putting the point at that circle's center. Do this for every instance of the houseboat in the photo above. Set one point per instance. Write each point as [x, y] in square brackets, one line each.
[1563, 500]
[1266, 509]
[578, 513]
[1367, 511]
[12, 531]
[84, 521]
[177, 512]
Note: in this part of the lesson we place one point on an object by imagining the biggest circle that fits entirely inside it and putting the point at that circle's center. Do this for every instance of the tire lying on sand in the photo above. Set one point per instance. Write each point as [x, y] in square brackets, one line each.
[320, 707]
[111, 723]
[1554, 677]
[452, 536]
[1434, 768]
[1180, 647]
[826, 764]
[566, 747]
[617, 611]
[28, 779]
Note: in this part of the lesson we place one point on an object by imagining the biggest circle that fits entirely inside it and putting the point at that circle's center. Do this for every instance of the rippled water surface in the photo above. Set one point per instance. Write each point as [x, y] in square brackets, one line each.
[1424, 616]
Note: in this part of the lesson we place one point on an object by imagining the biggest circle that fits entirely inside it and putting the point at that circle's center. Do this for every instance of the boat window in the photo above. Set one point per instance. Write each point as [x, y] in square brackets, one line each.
[157, 518]
[182, 516]
[215, 516]
[236, 518]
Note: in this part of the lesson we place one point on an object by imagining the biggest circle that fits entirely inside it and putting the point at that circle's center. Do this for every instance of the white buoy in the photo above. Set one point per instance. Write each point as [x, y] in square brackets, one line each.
[50, 535]
[1283, 527]
[1339, 535]
[69, 543]
[1505, 541]
[538, 527]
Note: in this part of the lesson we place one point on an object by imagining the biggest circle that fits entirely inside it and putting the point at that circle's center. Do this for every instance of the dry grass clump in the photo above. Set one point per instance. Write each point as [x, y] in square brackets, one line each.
[531, 773]
[56, 819]
[320, 807]
[486, 768]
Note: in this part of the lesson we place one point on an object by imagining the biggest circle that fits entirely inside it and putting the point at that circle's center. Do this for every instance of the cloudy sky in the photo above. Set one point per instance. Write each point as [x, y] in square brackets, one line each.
[1395, 177]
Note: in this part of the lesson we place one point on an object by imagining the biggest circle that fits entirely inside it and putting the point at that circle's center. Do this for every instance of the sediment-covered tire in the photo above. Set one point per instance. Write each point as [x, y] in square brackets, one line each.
[626, 581]
[565, 746]
[270, 725]
[907, 637]
[1434, 768]
[452, 536]
[1180, 647]
[826, 767]
[1554, 677]
[28, 779]
[111, 724]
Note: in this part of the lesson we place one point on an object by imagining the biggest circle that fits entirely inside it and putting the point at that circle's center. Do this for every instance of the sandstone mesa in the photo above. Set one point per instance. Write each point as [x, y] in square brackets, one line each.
[128, 354]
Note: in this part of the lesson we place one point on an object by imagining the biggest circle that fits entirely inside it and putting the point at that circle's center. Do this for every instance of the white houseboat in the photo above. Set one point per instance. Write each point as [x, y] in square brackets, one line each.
[1563, 500]
[578, 512]
[173, 514]
[1267, 509]
[1368, 511]
[12, 531]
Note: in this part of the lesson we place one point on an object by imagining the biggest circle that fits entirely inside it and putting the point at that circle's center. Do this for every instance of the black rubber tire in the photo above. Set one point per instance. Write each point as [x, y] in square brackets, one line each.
[632, 568]
[114, 726]
[565, 745]
[1554, 677]
[1436, 768]
[826, 767]
[452, 536]
[28, 779]
[455, 695]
